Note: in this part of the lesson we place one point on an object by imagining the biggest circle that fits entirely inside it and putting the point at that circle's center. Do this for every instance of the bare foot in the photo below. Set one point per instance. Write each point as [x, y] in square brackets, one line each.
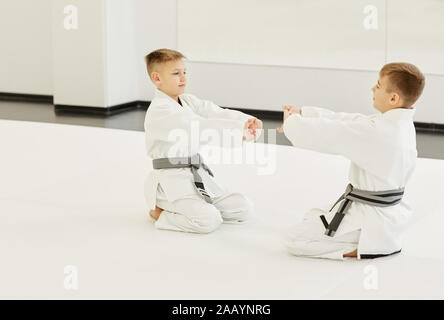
[352, 254]
[156, 213]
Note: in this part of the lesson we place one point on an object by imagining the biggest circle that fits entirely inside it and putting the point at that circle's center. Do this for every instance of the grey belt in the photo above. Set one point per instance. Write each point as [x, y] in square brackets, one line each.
[374, 198]
[193, 162]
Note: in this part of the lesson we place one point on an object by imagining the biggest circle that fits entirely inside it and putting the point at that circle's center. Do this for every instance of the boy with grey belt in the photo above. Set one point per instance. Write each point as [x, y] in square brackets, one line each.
[181, 191]
[371, 217]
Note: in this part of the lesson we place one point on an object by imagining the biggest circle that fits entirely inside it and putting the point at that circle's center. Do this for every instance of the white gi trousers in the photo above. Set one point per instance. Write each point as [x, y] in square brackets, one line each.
[307, 239]
[193, 214]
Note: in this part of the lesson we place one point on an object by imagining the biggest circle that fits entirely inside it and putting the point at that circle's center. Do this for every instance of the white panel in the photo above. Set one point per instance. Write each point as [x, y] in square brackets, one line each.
[164, 24]
[79, 55]
[416, 33]
[309, 33]
[269, 88]
[121, 52]
[26, 51]
[430, 106]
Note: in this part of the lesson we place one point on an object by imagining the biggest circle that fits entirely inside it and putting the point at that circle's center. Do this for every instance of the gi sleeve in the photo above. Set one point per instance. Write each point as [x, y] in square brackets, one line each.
[317, 112]
[164, 122]
[359, 139]
[210, 110]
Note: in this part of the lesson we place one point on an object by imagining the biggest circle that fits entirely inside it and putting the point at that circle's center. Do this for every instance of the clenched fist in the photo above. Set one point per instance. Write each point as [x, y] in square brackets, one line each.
[251, 128]
[288, 111]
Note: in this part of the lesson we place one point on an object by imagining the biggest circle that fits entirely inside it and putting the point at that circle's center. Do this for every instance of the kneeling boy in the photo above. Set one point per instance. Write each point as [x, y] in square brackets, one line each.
[371, 215]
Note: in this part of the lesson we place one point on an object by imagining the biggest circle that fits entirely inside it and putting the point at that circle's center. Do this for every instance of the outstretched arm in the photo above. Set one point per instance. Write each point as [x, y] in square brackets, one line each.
[164, 122]
[210, 110]
[359, 138]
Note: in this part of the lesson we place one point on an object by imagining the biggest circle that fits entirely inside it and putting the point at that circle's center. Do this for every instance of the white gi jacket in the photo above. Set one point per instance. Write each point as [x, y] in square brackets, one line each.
[382, 150]
[164, 117]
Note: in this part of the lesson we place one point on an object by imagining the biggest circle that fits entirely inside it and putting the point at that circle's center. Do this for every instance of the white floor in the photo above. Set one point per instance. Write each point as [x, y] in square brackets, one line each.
[72, 195]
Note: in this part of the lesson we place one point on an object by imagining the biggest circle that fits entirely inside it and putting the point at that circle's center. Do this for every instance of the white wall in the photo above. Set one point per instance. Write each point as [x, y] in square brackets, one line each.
[155, 26]
[25, 49]
[269, 87]
[79, 62]
[349, 34]
[416, 33]
[120, 52]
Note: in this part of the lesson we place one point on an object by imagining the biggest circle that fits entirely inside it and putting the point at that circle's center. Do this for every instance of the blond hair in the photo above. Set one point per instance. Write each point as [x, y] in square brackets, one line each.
[161, 56]
[405, 78]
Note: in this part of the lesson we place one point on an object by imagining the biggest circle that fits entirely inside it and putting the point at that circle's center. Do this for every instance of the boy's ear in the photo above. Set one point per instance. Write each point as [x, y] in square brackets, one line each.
[395, 99]
[155, 77]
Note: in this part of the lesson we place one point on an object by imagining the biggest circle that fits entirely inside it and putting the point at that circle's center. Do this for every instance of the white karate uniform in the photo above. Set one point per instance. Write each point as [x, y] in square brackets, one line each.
[382, 151]
[173, 189]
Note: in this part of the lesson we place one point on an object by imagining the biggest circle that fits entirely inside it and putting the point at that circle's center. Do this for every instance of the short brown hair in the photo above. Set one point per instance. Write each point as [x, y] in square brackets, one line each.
[406, 78]
[161, 56]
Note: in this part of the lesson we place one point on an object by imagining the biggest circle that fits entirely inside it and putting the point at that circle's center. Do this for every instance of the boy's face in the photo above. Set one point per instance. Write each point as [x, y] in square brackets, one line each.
[170, 77]
[384, 99]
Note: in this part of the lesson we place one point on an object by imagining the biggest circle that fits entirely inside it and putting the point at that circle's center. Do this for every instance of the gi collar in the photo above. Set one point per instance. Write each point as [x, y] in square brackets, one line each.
[160, 94]
[399, 114]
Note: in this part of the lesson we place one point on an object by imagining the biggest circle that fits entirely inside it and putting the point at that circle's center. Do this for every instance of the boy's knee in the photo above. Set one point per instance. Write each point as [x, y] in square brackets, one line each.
[315, 248]
[237, 207]
[208, 220]
[246, 205]
[298, 247]
[299, 242]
